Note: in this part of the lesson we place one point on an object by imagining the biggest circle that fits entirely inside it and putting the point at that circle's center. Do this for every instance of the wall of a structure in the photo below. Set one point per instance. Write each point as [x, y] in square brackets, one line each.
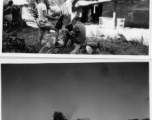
[133, 19]
[136, 14]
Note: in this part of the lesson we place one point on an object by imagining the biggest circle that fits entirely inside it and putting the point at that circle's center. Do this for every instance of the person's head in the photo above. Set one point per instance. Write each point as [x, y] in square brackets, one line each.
[45, 1]
[69, 27]
[10, 3]
[39, 1]
[75, 19]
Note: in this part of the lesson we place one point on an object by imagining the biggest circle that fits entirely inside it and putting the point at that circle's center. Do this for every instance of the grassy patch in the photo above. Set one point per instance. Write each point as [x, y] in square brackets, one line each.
[123, 48]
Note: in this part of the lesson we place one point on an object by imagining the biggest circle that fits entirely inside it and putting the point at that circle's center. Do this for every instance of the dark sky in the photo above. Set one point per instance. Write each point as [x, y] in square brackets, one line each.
[99, 91]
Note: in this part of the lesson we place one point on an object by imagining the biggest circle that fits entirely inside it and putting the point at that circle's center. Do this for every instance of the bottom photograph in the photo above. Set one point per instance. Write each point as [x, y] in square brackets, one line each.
[75, 91]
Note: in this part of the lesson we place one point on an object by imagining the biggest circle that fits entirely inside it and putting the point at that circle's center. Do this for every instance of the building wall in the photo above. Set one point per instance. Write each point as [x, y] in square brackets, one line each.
[133, 19]
[136, 14]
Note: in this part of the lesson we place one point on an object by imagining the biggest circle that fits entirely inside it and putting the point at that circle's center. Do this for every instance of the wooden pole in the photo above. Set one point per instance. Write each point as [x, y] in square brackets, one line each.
[114, 13]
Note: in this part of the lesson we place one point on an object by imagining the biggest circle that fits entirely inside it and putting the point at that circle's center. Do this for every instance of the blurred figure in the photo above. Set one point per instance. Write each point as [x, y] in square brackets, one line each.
[44, 21]
[89, 16]
[8, 15]
[77, 35]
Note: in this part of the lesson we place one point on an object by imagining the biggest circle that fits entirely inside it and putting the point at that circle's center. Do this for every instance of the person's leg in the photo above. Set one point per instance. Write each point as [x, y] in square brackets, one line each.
[8, 25]
[76, 49]
[52, 27]
[72, 38]
[77, 44]
[41, 33]
[56, 36]
[65, 39]
[56, 33]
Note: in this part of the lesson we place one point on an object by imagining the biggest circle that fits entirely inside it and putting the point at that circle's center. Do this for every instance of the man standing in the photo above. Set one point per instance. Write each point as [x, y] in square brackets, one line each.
[77, 35]
[8, 15]
[43, 20]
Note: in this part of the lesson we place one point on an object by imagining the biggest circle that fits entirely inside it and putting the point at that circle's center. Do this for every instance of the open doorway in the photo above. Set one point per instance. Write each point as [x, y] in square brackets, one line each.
[92, 13]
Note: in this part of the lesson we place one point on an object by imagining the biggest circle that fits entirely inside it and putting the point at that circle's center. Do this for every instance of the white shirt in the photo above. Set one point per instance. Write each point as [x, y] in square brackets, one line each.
[41, 7]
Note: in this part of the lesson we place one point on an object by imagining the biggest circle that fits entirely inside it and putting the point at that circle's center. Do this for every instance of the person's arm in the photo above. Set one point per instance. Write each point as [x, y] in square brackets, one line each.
[75, 31]
[49, 17]
[7, 10]
[68, 32]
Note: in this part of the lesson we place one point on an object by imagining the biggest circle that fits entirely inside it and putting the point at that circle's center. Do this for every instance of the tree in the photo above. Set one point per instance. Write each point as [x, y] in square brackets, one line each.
[32, 8]
[16, 12]
[58, 116]
[49, 4]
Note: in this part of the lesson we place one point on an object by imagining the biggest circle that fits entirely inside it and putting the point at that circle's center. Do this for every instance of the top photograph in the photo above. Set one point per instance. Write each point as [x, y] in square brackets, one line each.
[80, 27]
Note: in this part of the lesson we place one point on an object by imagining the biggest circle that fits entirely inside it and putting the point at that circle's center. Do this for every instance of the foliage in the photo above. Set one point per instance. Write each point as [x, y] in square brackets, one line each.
[49, 4]
[16, 17]
[57, 2]
[32, 8]
[58, 116]
[11, 43]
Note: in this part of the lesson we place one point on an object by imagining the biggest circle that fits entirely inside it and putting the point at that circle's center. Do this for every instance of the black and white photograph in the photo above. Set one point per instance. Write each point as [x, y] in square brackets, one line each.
[75, 91]
[92, 27]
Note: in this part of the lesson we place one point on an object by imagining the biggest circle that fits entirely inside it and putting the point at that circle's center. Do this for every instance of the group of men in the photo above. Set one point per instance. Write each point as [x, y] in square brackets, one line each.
[12, 17]
[77, 36]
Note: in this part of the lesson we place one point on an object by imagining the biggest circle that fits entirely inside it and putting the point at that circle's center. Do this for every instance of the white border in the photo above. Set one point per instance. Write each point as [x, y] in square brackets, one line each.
[7, 55]
[74, 56]
[1, 22]
[56, 60]
[0, 94]
[150, 88]
[150, 27]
